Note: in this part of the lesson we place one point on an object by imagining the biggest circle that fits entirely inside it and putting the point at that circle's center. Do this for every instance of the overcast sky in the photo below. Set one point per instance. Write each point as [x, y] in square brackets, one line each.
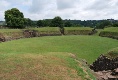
[67, 9]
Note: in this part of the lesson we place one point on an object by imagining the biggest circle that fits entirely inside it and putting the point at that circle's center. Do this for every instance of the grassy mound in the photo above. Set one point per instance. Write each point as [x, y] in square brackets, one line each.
[67, 30]
[46, 66]
[111, 32]
[112, 53]
[10, 30]
[48, 31]
[11, 34]
[77, 30]
[111, 29]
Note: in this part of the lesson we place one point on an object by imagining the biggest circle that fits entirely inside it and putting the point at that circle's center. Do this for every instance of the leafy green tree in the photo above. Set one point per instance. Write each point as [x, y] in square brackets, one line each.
[28, 22]
[67, 24]
[14, 18]
[47, 22]
[115, 24]
[40, 23]
[103, 24]
[57, 22]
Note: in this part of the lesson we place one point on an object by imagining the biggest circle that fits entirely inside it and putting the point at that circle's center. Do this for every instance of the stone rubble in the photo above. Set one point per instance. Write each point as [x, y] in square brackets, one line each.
[106, 68]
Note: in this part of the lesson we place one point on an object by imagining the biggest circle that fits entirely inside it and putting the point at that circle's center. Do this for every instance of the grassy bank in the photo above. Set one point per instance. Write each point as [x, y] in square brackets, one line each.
[78, 30]
[111, 29]
[111, 32]
[113, 53]
[46, 29]
[46, 66]
[10, 30]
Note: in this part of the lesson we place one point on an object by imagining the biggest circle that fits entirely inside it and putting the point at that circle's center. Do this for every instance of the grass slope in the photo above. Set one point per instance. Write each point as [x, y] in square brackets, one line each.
[10, 30]
[49, 58]
[112, 53]
[78, 28]
[111, 29]
[111, 32]
[87, 47]
[46, 29]
[49, 66]
[46, 66]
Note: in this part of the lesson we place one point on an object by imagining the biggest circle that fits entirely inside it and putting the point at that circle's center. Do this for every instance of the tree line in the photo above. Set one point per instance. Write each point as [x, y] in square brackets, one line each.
[15, 19]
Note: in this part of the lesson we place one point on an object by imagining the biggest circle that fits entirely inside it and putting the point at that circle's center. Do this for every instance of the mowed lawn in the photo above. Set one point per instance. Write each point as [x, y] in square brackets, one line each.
[52, 57]
[86, 47]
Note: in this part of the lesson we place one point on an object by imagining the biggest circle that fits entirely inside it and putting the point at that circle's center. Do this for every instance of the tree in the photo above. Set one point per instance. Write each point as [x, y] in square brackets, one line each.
[103, 24]
[67, 24]
[14, 18]
[115, 24]
[40, 23]
[57, 22]
[47, 22]
[28, 22]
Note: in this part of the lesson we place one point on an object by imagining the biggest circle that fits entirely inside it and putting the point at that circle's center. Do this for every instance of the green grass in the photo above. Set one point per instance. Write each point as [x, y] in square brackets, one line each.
[98, 32]
[57, 29]
[111, 29]
[78, 28]
[111, 32]
[51, 58]
[39, 29]
[46, 66]
[10, 30]
[46, 29]
[113, 53]
[87, 47]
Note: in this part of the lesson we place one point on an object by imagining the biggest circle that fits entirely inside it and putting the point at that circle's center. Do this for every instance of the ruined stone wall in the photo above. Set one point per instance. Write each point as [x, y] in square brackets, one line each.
[8, 36]
[106, 68]
[104, 63]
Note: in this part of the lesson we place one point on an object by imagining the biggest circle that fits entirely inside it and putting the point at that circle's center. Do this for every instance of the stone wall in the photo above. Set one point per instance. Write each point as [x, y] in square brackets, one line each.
[106, 68]
[30, 33]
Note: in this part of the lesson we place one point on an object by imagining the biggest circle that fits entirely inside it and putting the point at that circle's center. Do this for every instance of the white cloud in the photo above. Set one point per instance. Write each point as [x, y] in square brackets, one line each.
[102, 5]
[29, 3]
[66, 4]
[3, 5]
[67, 9]
[39, 6]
